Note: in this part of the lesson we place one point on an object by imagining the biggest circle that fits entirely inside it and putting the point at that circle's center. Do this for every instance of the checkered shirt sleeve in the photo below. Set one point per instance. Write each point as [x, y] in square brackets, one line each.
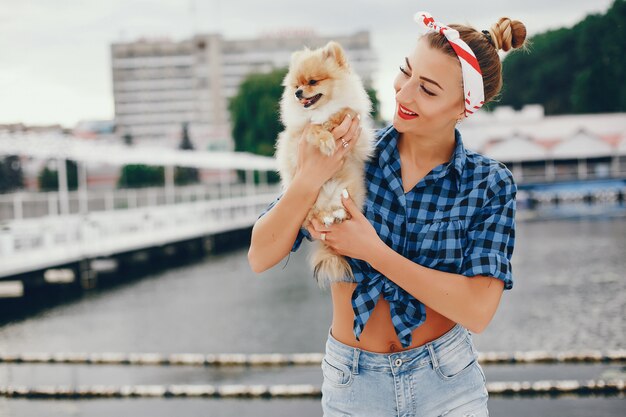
[491, 235]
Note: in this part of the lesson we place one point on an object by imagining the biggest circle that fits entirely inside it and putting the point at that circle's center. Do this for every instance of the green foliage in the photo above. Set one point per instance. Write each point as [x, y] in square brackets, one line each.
[11, 175]
[572, 70]
[186, 175]
[255, 112]
[139, 175]
[375, 106]
[49, 179]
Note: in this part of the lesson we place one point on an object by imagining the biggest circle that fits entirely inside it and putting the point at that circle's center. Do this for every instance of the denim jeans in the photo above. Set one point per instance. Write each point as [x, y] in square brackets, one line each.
[439, 378]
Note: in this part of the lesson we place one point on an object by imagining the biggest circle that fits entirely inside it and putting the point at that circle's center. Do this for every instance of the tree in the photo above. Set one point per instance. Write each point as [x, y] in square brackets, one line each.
[375, 106]
[139, 175]
[49, 178]
[572, 70]
[11, 175]
[128, 139]
[254, 112]
[185, 175]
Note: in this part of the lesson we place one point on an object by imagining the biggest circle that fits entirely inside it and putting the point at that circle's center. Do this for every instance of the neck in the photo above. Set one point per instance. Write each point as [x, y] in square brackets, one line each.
[427, 151]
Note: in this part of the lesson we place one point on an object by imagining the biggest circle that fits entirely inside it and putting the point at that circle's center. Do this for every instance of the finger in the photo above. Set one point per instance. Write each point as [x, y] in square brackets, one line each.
[353, 129]
[343, 127]
[319, 227]
[350, 128]
[317, 235]
[350, 133]
[348, 203]
[356, 135]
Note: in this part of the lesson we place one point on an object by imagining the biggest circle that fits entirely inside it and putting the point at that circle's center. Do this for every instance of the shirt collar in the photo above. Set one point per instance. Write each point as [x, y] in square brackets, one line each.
[388, 142]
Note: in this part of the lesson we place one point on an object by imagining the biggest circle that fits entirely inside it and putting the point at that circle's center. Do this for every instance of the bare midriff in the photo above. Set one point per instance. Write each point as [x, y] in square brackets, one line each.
[379, 334]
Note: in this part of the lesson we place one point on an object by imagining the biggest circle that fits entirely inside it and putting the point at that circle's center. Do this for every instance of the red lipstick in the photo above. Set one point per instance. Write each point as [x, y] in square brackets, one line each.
[405, 113]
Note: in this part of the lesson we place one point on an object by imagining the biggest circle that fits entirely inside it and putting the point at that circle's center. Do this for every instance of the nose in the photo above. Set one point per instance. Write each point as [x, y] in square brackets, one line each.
[405, 92]
[299, 93]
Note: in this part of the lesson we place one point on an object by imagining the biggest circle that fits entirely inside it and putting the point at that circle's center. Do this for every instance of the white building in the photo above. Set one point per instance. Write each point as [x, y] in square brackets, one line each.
[540, 148]
[159, 84]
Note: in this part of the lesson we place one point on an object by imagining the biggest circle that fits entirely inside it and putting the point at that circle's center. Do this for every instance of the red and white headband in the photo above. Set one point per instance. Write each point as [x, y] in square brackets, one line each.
[472, 76]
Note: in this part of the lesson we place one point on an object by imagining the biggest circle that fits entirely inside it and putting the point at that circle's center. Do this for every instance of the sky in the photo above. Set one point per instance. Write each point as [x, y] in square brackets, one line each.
[55, 54]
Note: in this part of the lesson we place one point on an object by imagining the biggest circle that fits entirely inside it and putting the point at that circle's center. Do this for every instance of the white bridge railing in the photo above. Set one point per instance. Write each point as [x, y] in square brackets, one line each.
[40, 242]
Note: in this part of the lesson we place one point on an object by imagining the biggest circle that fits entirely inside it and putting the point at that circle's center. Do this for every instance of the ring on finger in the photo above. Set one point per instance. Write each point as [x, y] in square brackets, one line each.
[344, 143]
[323, 236]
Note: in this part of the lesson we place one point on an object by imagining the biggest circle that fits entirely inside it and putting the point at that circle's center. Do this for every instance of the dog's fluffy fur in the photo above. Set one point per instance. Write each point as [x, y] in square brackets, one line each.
[321, 88]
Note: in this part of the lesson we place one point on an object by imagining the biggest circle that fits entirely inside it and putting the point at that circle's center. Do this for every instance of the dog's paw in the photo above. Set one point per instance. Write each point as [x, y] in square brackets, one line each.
[339, 214]
[326, 217]
[333, 215]
[328, 145]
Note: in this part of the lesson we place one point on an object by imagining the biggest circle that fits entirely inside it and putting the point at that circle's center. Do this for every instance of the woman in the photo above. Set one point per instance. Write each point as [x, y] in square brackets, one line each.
[431, 250]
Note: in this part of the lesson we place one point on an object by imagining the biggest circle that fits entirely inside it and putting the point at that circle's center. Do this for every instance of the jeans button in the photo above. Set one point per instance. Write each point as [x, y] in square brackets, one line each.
[398, 362]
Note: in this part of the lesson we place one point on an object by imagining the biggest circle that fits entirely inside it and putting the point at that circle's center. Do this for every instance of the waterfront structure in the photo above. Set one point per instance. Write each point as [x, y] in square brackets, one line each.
[539, 148]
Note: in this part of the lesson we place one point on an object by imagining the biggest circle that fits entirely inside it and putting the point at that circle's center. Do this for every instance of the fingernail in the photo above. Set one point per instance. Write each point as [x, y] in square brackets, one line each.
[344, 192]
[358, 116]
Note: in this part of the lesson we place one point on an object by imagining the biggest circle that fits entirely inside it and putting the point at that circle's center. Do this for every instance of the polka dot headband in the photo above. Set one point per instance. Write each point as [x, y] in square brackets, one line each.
[472, 76]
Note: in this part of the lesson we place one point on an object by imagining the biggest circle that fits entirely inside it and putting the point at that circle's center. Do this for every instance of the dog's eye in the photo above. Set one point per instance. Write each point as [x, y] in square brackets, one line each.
[312, 82]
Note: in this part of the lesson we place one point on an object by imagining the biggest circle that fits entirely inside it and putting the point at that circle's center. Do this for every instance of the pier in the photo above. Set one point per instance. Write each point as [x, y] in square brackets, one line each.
[68, 238]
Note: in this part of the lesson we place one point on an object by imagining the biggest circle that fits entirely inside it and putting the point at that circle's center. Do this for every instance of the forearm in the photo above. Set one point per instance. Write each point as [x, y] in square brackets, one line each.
[464, 300]
[274, 233]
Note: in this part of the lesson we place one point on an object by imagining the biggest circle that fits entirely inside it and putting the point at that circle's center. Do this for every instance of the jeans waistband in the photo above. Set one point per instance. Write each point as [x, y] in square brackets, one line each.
[410, 358]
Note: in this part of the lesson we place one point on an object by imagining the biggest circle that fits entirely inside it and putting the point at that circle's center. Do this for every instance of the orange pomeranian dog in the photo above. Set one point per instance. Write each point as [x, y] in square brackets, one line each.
[321, 88]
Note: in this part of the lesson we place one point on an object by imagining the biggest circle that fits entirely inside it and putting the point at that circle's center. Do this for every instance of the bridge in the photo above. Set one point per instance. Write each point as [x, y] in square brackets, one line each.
[66, 236]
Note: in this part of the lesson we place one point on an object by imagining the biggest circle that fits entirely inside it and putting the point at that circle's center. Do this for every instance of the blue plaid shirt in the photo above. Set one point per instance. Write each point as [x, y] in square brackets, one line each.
[459, 218]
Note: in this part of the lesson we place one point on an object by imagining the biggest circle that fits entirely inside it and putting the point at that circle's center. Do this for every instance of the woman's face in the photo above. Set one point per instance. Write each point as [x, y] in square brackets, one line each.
[429, 86]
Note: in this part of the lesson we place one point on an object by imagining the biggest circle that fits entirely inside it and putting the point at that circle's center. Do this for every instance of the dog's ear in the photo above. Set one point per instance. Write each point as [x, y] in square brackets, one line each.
[335, 51]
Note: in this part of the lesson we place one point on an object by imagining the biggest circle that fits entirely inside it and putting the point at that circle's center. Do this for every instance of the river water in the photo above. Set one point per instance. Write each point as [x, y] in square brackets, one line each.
[569, 294]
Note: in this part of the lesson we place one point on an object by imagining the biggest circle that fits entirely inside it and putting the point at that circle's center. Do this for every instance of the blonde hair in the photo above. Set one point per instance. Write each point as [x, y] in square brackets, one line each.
[504, 35]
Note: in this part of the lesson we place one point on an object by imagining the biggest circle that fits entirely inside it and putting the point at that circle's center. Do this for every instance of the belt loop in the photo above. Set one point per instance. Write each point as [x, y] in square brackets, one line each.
[433, 356]
[355, 361]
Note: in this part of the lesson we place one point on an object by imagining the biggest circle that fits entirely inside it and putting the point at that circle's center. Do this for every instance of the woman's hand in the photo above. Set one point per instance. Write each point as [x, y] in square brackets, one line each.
[355, 237]
[315, 167]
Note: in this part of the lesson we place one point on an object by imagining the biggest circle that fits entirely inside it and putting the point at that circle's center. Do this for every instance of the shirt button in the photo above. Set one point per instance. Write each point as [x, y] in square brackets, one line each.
[398, 362]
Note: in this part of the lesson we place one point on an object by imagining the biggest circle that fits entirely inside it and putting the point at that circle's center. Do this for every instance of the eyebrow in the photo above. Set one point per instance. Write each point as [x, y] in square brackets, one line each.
[423, 78]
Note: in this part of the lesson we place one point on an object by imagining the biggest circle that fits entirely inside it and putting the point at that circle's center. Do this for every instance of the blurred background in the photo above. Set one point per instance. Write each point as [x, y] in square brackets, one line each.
[136, 152]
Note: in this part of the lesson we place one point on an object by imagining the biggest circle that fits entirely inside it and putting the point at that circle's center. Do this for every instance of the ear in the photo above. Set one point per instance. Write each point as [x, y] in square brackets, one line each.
[335, 51]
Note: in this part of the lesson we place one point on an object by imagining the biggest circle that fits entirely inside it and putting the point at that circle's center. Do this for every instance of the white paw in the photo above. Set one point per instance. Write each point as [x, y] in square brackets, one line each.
[327, 147]
[328, 220]
[339, 214]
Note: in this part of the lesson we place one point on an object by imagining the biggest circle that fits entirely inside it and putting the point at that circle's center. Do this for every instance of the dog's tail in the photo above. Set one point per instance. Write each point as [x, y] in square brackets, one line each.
[329, 267]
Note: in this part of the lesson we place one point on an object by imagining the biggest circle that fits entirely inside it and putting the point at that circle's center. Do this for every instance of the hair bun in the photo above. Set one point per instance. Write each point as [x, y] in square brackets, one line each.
[507, 34]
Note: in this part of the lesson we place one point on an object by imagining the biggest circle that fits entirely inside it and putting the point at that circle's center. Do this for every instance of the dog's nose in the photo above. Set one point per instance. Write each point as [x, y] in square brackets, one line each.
[299, 93]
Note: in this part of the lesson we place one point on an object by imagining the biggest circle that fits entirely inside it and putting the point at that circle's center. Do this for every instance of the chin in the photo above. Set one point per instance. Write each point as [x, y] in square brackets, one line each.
[402, 125]
[321, 88]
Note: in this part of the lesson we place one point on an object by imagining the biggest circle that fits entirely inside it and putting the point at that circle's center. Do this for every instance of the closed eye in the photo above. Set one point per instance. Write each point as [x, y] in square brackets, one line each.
[421, 85]
[426, 91]
[404, 71]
